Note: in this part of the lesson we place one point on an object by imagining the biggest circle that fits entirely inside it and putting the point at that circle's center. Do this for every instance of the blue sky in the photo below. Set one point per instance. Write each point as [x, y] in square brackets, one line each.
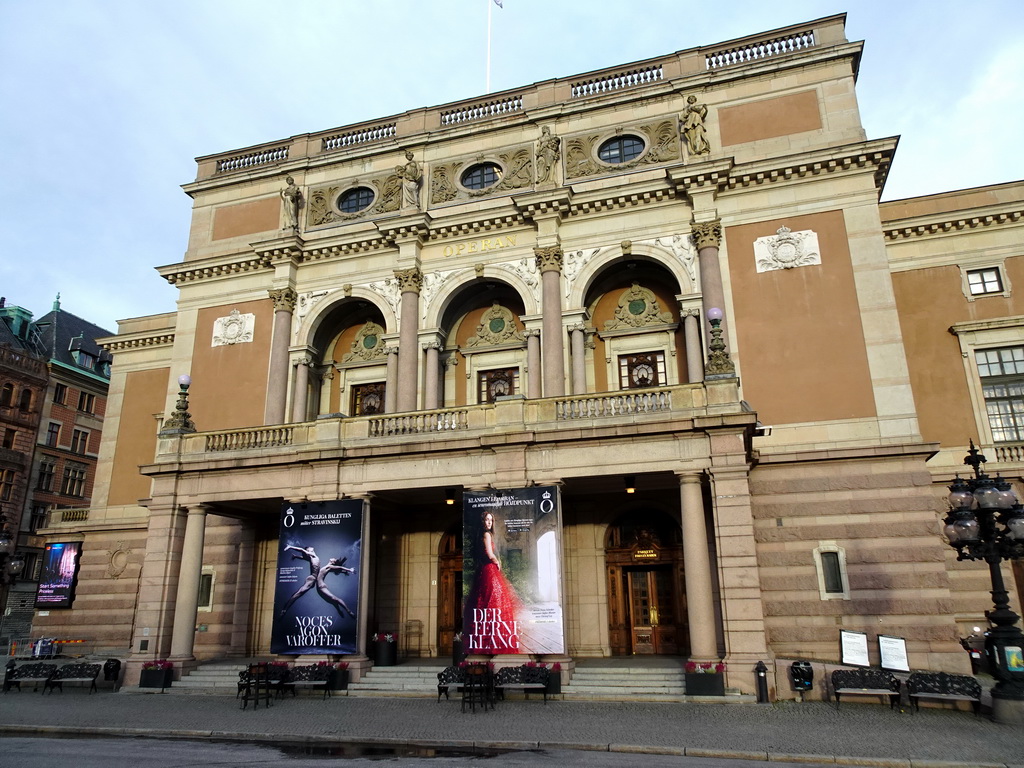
[106, 103]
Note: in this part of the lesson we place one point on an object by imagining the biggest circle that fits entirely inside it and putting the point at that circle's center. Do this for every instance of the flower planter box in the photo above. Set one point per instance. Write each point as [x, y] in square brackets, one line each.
[385, 654]
[554, 682]
[338, 681]
[156, 678]
[703, 684]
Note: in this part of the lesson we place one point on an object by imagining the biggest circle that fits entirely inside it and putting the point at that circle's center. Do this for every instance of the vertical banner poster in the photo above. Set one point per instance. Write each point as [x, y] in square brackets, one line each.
[58, 576]
[316, 599]
[512, 574]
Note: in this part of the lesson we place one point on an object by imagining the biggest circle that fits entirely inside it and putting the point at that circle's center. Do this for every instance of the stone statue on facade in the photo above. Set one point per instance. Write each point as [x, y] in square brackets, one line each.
[411, 177]
[292, 197]
[693, 126]
[548, 152]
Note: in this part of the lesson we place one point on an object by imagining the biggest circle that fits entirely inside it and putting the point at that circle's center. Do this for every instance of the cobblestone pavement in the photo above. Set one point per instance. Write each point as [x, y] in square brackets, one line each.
[872, 731]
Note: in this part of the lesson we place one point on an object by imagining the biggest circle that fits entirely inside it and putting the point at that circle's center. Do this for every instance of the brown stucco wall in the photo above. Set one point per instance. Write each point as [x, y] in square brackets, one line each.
[929, 302]
[145, 393]
[229, 383]
[799, 332]
[246, 218]
[768, 118]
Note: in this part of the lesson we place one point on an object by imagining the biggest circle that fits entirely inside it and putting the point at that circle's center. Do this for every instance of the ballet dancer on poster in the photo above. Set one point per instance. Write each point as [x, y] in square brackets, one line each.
[334, 565]
[305, 553]
[317, 579]
[492, 604]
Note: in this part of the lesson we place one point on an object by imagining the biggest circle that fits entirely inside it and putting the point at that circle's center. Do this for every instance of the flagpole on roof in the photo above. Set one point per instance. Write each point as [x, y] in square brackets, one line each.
[488, 90]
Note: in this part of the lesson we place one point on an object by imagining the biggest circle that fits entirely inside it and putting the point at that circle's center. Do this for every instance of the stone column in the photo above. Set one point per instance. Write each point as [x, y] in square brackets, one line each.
[187, 601]
[433, 376]
[533, 363]
[549, 262]
[277, 379]
[694, 351]
[409, 282]
[578, 352]
[700, 607]
[391, 381]
[300, 397]
[708, 237]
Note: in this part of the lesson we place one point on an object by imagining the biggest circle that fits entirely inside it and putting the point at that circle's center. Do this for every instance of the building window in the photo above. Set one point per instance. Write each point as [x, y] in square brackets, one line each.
[481, 176]
[205, 590]
[86, 360]
[355, 200]
[60, 394]
[86, 402]
[367, 399]
[74, 480]
[6, 484]
[498, 383]
[981, 282]
[26, 400]
[10, 435]
[38, 518]
[1002, 386]
[643, 370]
[621, 149]
[830, 561]
[31, 570]
[47, 469]
[7, 395]
[52, 434]
[79, 441]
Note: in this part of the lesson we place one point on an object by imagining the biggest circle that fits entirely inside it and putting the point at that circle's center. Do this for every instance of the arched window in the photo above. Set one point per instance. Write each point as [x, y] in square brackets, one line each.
[7, 394]
[26, 399]
[355, 200]
[621, 149]
[481, 176]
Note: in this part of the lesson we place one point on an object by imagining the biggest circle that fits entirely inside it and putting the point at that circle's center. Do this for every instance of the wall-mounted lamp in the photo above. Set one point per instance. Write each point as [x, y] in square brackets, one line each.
[630, 483]
[449, 496]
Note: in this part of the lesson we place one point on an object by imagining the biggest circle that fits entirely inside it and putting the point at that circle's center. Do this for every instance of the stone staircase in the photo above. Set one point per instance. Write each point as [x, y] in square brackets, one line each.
[622, 682]
[213, 678]
[411, 679]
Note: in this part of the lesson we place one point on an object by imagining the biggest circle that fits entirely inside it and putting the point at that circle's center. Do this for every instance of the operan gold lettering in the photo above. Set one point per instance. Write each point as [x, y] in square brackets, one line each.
[477, 246]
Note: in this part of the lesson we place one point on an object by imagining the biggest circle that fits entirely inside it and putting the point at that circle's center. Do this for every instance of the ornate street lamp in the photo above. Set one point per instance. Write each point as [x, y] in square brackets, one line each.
[986, 522]
[11, 563]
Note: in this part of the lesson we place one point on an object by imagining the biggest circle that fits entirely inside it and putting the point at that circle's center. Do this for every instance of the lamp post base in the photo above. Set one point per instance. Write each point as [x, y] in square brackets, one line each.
[1008, 711]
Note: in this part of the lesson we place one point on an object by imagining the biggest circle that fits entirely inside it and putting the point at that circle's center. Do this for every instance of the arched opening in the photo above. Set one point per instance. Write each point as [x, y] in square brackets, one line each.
[646, 585]
[353, 360]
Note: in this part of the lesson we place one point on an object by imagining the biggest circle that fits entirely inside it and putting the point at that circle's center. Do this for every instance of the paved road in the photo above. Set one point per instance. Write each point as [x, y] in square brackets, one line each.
[869, 732]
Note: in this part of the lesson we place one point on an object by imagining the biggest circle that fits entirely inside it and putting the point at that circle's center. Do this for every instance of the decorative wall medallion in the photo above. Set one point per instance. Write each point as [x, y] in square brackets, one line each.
[787, 250]
[638, 307]
[497, 326]
[662, 140]
[119, 557]
[323, 201]
[369, 344]
[235, 328]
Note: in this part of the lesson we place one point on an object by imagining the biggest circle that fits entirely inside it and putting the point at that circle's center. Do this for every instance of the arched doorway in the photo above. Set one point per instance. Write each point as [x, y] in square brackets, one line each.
[449, 558]
[646, 585]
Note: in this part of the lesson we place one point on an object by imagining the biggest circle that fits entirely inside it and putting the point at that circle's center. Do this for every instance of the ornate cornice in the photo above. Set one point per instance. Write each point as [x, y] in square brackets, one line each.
[284, 299]
[139, 342]
[708, 234]
[549, 259]
[622, 199]
[944, 226]
[187, 273]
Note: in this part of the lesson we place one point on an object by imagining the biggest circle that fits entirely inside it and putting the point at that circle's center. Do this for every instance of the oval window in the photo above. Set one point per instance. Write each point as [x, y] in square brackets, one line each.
[355, 200]
[621, 149]
[481, 176]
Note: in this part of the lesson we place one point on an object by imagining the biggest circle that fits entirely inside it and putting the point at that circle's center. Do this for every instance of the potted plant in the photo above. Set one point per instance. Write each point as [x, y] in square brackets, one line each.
[385, 649]
[457, 654]
[555, 678]
[156, 674]
[338, 680]
[705, 678]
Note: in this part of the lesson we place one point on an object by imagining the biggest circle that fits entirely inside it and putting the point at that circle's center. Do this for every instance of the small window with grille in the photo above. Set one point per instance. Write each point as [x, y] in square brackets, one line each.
[982, 282]
[1002, 385]
[498, 383]
[367, 399]
[646, 369]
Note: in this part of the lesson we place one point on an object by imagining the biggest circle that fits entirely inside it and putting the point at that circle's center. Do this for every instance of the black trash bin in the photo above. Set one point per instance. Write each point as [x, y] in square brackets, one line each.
[802, 675]
[111, 669]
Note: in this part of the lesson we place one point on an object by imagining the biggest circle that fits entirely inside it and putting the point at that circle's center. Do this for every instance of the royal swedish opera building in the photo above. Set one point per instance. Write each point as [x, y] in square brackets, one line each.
[645, 339]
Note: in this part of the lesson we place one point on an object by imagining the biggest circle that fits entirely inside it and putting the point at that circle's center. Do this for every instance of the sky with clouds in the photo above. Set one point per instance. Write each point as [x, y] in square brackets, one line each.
[106, 103]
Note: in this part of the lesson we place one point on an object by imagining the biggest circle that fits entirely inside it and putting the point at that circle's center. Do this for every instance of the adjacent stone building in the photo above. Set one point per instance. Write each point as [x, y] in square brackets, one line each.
[667, 289]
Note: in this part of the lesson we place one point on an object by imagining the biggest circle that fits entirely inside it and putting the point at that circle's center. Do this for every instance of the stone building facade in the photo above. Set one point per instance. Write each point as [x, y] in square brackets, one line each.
[674, 276]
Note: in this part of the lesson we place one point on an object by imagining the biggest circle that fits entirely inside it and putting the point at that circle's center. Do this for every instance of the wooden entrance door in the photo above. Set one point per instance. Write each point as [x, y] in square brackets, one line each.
[449, 590]
[652, 604]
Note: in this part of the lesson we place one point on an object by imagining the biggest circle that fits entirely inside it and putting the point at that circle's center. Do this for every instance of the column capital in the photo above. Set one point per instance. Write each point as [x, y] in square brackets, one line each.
[428, 345]
[549, 259]
[708, 234]
[409, 280]
[688, 476]
[284, 299]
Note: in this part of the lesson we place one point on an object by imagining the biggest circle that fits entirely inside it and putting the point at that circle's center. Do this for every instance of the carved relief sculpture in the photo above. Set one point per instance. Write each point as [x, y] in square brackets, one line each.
[234, 328]
[786, 250]
[525, 270]
[638, 307]
[517, 173]
[292, 197]
[498, 326]
[661, 138]
[387, 199]
[693, 126]
[387, 289]
[369, 344]
[548, 152]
